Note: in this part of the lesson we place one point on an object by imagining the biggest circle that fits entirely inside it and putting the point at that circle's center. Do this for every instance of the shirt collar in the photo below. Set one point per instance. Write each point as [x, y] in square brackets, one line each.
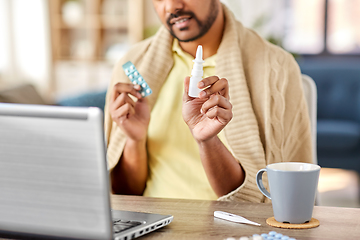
[209, 62]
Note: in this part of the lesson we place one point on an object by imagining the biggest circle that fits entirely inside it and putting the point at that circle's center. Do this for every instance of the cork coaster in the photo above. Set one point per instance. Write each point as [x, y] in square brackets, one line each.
[311, 224]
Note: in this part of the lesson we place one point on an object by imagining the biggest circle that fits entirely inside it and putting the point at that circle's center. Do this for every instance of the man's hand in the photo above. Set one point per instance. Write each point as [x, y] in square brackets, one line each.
[207, 115]
[132, 117]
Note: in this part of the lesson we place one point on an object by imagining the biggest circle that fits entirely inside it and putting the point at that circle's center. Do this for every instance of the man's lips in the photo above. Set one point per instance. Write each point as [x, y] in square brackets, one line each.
[179, 20]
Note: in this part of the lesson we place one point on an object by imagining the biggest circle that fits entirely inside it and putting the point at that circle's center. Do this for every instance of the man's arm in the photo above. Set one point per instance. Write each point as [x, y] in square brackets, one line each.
[223, 171]
[206, 116]
[130, 174]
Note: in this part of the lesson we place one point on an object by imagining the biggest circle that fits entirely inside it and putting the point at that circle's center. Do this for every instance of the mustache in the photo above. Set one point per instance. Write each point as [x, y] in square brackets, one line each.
[179, 14]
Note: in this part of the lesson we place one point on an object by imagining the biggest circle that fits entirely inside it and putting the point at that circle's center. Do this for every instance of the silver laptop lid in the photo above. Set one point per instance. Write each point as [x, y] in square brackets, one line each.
[53, 178]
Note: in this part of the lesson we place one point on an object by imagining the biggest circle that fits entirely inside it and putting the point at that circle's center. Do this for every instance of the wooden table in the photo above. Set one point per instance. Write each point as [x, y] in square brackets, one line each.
[193, 219]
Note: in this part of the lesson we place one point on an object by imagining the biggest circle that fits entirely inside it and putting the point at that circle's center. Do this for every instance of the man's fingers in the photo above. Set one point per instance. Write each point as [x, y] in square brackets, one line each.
[223, 115]
[206, 82]
[121, 100]
[186, 96]
[214, 85]
[128, 88]
[122, 113]
[216, 100]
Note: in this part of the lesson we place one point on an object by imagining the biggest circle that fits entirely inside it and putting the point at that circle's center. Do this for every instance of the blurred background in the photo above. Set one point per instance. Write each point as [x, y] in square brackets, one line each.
[63, 51]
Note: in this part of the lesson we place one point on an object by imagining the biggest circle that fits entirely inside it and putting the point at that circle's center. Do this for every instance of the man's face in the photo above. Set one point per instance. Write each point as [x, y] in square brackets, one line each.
[187, 20]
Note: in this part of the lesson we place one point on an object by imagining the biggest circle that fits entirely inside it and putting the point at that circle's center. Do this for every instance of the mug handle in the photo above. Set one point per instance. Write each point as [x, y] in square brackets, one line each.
[260, 183]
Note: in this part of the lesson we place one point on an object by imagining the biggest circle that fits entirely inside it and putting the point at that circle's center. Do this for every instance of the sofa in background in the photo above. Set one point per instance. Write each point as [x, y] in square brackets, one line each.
[26, 93]
[21, 93]
[338, 111]
[89, 99]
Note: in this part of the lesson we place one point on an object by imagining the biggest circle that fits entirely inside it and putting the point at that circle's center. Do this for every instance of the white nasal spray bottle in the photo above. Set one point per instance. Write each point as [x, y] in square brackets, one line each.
[196, 73]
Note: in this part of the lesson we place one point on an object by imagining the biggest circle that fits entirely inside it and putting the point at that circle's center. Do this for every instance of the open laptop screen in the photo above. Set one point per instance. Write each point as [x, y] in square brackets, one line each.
[53, 178]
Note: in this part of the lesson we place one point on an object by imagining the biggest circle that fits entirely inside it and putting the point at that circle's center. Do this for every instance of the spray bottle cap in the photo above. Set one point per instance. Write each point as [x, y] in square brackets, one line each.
[199, 55]
[197, 69]
[196, 73]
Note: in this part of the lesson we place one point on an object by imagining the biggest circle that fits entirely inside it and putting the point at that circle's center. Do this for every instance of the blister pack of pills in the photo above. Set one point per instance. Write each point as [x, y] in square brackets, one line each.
[265, 236]
[136, 78]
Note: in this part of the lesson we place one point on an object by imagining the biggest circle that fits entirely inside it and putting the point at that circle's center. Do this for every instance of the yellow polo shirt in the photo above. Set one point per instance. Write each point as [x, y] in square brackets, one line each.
[175, 168]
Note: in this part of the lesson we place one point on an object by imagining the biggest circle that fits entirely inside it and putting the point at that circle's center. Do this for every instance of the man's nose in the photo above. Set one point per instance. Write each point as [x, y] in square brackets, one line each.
[173, 6]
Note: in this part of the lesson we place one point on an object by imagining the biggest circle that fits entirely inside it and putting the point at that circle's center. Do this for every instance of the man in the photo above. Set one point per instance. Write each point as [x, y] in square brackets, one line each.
[251, 113]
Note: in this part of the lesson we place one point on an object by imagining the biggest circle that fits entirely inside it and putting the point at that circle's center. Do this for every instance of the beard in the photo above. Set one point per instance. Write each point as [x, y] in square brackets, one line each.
[204, 26]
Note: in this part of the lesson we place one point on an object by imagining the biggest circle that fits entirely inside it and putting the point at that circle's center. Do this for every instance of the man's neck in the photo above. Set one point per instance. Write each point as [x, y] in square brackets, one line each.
[210, 41]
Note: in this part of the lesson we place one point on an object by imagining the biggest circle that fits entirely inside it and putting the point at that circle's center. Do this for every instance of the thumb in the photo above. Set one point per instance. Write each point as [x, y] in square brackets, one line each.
[186, 96]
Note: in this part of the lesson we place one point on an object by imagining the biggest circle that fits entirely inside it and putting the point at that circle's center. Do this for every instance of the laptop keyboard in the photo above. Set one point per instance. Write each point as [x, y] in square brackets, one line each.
[122, 225]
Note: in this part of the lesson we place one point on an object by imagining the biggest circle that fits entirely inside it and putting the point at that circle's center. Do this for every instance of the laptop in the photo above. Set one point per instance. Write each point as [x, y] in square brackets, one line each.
[54, 181]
